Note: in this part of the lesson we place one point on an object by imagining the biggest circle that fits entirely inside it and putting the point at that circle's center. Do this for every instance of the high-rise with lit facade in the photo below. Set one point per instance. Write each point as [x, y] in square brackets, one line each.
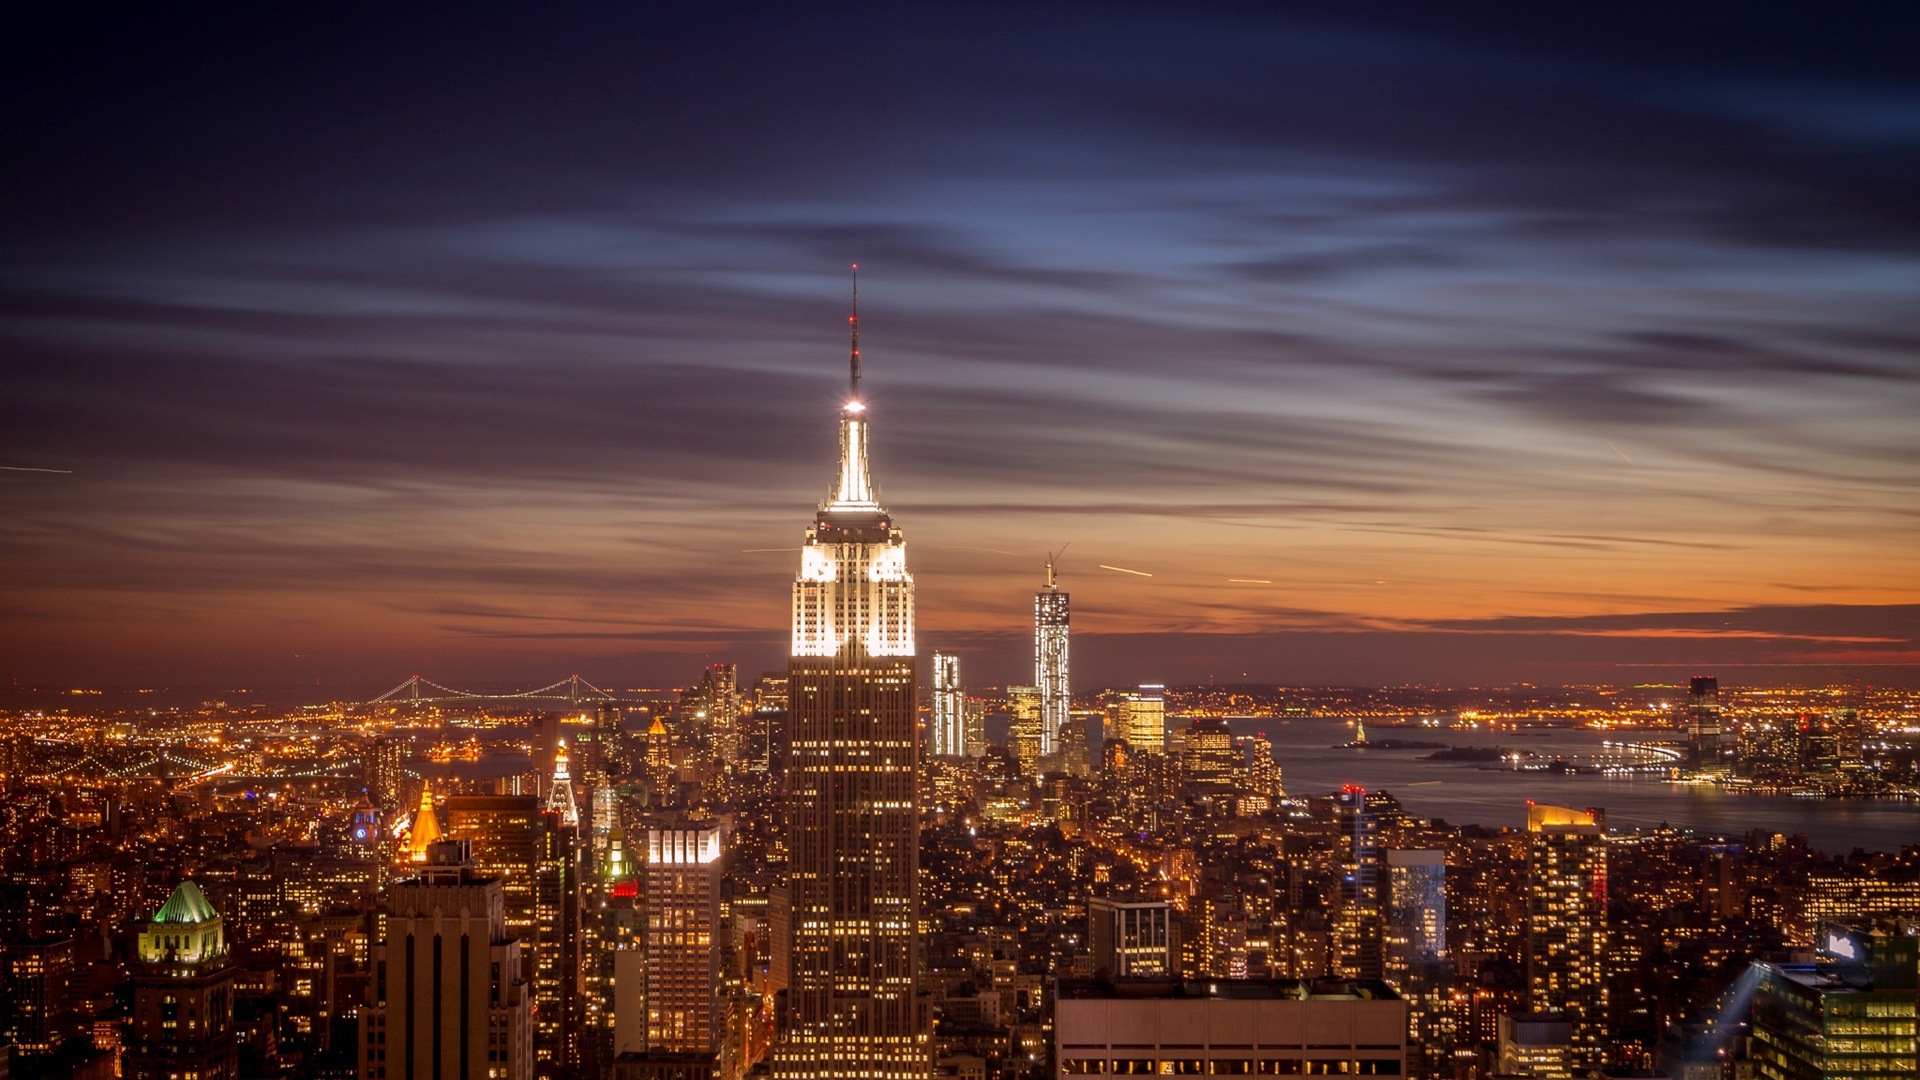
[1050, 671]
[683, 940]
[853, 814]
[949, 707]
[1024, 721]
[1140, 717]
[183, 994]
[1704, 735]
[1567, 924]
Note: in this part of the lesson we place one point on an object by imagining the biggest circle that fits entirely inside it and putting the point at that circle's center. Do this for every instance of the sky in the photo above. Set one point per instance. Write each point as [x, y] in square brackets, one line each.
[1399, 343]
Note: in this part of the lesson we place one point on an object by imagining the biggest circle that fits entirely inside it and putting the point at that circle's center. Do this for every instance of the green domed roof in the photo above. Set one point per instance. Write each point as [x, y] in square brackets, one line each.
[187, 905]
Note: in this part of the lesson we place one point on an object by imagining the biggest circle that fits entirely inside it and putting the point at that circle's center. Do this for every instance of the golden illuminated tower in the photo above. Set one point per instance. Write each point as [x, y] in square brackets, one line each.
[854, 823]
[1567, 923]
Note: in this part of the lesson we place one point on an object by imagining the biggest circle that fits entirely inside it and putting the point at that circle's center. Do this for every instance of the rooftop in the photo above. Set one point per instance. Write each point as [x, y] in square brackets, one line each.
[187, 905]
[1231, 989]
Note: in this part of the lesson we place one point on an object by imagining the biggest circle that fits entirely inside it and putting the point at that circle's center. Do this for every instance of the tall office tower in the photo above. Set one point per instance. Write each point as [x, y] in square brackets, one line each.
[1703, 719]
[1131, 939]
[384, 762]
[1050, 668]
[720, 689]
[659, 752]
[683, 940]
[38, 1013]
[598, 761]
[974, 713]
[1263, 773]
[448, 1000]
[1213, 764]
[1567, 924]
[770, 711]
[183, 994]
[949, 707]
[1024, 726]
[1359, 926]
[1416, 950]
[503, 836]
[1141, 718]
[853, 812]
[1416, 911]
[560, 938]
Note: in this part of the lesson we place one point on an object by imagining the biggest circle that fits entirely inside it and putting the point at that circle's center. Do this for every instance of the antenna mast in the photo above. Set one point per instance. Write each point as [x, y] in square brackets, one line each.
[853, 324]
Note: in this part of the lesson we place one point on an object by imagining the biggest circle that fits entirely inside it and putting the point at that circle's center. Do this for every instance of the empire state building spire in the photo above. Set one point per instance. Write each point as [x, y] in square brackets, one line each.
[853, 815]
[853, 491]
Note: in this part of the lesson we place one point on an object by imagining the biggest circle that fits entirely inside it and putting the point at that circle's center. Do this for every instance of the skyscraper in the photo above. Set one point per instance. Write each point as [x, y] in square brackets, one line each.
[683, 940]
[183, 994]
[949, 707]
[1416, 949]
[1141, 719]
[1358, 926]
[448, 997]
[1703, 719]
[1050, 667]
[1023, 727]
[853, 811]
[1567, 924]
[559, 907]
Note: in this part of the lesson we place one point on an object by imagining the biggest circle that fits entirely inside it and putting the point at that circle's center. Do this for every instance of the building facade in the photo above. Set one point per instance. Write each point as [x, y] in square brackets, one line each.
[183, 994]
[449, 998]
[683, 931]
[1051, 670]
[949, 707]
[1131, 939]
[1567, 925]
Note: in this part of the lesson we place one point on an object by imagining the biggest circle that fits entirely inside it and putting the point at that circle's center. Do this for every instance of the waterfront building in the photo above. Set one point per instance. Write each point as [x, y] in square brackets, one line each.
[1131, 939]
[1704, 725]
[448, 997]
[1249, 1027]
[183, 994]
[1567, 924]
[853, 814]
[949, 707]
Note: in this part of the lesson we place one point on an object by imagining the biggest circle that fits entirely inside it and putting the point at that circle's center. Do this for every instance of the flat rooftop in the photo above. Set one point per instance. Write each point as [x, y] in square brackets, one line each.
[1229, 989]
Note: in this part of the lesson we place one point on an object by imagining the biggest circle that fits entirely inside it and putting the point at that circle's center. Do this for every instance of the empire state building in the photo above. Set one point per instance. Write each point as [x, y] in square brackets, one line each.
[853, 814]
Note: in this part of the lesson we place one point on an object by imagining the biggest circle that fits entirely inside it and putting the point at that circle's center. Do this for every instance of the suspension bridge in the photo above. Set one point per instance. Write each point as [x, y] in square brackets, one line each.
[418, 690]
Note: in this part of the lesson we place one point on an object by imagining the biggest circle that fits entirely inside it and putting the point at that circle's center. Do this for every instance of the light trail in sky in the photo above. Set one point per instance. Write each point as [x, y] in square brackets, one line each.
[1124, 570]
